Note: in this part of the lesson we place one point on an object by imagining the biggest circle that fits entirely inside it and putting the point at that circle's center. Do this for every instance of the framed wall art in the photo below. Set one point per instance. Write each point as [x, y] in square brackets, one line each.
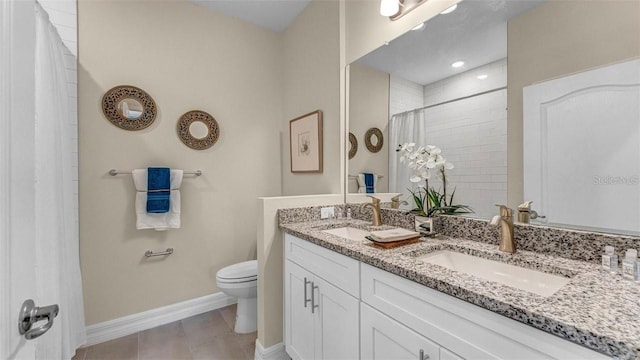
[305, 139]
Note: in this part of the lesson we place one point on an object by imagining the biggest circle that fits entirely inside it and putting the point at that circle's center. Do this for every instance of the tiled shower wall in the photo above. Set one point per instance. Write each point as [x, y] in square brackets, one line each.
[472, 132]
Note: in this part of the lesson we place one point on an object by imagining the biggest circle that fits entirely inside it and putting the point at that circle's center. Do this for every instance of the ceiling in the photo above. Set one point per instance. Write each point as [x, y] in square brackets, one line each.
[272, 14]
[476, 33]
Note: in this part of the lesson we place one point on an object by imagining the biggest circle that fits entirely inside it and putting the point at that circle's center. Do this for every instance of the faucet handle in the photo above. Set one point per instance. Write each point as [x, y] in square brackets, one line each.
[374, 199]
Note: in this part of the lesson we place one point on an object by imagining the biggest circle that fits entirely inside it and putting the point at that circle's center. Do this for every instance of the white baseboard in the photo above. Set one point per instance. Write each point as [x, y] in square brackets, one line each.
[131, 324]
[275, 352]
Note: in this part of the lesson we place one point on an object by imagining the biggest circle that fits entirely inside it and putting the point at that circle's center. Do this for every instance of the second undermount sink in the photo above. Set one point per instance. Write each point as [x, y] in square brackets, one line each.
[537, 282]
[349, 233]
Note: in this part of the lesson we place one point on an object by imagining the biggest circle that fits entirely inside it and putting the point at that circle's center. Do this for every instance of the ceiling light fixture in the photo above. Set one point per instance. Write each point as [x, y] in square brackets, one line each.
[457, 64]
[483, 76]
[418, 27]
[389, 7]
[450, 9]
[395, 9]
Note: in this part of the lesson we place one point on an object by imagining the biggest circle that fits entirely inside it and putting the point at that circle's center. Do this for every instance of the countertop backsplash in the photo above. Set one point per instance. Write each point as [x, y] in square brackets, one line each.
[571, 244]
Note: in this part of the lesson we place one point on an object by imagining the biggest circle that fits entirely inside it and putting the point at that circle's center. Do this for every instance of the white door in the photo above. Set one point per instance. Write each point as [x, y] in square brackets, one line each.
[385, 338]
[336, 322]
[17, 235]
[17, 200]
[299, 337]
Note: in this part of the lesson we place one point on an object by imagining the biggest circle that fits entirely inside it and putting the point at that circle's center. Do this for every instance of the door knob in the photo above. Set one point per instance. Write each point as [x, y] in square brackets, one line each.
[31, 314]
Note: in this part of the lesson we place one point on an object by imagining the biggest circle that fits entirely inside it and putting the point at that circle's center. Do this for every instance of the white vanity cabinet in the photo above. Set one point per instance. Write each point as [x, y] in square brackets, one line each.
[338, 308]
[321, 318]
[461, 330]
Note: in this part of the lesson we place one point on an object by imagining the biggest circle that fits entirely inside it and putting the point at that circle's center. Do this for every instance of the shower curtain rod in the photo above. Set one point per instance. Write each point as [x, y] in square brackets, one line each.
[453, 100]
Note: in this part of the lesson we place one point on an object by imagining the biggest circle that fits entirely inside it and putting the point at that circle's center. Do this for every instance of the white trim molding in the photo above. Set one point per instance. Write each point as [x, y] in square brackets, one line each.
[274, 352]
[131, 324]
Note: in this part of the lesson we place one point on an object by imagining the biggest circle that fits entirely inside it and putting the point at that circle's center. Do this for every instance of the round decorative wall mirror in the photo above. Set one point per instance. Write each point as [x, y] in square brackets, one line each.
[353, 145]
[129, 107]
[198, 130]
[373, 140]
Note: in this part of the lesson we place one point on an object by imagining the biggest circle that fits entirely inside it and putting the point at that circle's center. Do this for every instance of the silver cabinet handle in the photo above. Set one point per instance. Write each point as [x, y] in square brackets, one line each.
[30, 314]
[423, 356]
[313, 298]
[306, 282]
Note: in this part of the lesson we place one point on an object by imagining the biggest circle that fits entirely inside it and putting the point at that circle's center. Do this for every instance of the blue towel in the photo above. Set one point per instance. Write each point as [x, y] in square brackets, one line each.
[368, 182]
[158, 190]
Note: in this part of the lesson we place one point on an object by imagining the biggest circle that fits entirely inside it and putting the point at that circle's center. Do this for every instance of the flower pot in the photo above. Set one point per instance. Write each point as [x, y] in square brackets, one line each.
[424, 225]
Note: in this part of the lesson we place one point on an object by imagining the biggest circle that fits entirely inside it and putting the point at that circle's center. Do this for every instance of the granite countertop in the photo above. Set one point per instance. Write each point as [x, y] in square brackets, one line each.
[595, 309]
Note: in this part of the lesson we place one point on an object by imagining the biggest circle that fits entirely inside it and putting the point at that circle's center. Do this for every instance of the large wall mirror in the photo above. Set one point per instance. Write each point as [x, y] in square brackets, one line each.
[458, 83]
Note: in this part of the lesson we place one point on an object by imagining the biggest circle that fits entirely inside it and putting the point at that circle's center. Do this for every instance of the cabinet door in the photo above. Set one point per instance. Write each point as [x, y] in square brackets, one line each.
[336, 322]
[299, 338]
[385, 338]
[448, 355]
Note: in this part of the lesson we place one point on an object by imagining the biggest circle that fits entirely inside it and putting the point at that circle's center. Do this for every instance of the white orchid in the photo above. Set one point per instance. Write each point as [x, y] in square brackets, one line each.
[421, 160]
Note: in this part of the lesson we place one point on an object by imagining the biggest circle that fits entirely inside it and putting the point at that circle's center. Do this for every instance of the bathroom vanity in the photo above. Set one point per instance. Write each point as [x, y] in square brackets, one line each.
[345, 298]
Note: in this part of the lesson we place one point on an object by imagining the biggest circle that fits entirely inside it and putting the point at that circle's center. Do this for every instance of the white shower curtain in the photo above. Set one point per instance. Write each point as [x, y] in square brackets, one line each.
[405, 127]
[57, 248]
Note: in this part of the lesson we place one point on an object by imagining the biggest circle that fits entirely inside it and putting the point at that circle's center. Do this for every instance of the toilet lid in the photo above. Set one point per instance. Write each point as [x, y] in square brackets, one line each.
[244, 271]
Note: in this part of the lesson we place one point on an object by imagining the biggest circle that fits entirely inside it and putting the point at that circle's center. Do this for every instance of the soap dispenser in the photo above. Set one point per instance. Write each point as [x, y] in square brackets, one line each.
[630, 265]
[610, 259]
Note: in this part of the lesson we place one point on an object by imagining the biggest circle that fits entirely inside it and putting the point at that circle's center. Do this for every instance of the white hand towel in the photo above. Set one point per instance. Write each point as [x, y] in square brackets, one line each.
[157, 221]
[362, 186]
[140, 179]
[161, 221]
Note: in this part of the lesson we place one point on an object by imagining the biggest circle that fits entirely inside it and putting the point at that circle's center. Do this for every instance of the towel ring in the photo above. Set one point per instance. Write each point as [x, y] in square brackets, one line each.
[374, 148]
[353, 148]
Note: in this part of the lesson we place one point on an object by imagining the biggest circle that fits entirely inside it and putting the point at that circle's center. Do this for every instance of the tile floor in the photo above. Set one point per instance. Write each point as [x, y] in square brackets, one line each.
[205, 336]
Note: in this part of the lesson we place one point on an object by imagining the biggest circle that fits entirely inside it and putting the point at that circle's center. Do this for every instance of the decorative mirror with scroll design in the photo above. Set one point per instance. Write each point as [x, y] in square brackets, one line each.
[198, 130]
[129, 107]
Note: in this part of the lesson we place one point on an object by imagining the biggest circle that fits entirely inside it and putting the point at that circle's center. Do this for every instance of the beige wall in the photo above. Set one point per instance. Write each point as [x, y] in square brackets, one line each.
[186, 57]
[369, 107]
[556, 39]
[312, 82]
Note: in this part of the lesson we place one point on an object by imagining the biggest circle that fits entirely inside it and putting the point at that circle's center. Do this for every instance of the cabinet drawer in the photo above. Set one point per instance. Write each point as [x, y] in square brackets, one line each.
[465, 329]
[339, 270]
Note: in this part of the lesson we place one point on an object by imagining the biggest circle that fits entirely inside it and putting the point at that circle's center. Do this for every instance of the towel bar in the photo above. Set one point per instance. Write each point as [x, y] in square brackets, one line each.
[356, 176]
[167, 252]
[114, 172]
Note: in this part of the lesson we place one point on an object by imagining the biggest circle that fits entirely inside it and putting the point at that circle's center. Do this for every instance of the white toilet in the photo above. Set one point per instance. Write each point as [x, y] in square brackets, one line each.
[241, 281]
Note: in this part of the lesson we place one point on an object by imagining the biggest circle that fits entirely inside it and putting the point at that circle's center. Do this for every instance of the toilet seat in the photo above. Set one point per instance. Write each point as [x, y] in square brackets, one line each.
[243, 272]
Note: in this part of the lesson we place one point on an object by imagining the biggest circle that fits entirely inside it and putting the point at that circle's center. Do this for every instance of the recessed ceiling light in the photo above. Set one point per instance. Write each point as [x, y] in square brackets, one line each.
[418, 27]
[449, 9]
[483, 76]
[457, 64]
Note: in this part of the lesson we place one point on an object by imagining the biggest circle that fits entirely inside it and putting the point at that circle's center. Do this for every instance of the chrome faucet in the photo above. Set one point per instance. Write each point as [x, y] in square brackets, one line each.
[505, 221]
[375, 207]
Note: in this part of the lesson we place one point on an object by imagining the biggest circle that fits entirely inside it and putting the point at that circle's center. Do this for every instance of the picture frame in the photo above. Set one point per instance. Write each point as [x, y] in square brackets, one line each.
[305, 143]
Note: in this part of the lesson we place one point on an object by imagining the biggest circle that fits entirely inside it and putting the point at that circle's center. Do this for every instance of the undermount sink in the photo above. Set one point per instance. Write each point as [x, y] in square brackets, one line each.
[349, 233]
[537, 282]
